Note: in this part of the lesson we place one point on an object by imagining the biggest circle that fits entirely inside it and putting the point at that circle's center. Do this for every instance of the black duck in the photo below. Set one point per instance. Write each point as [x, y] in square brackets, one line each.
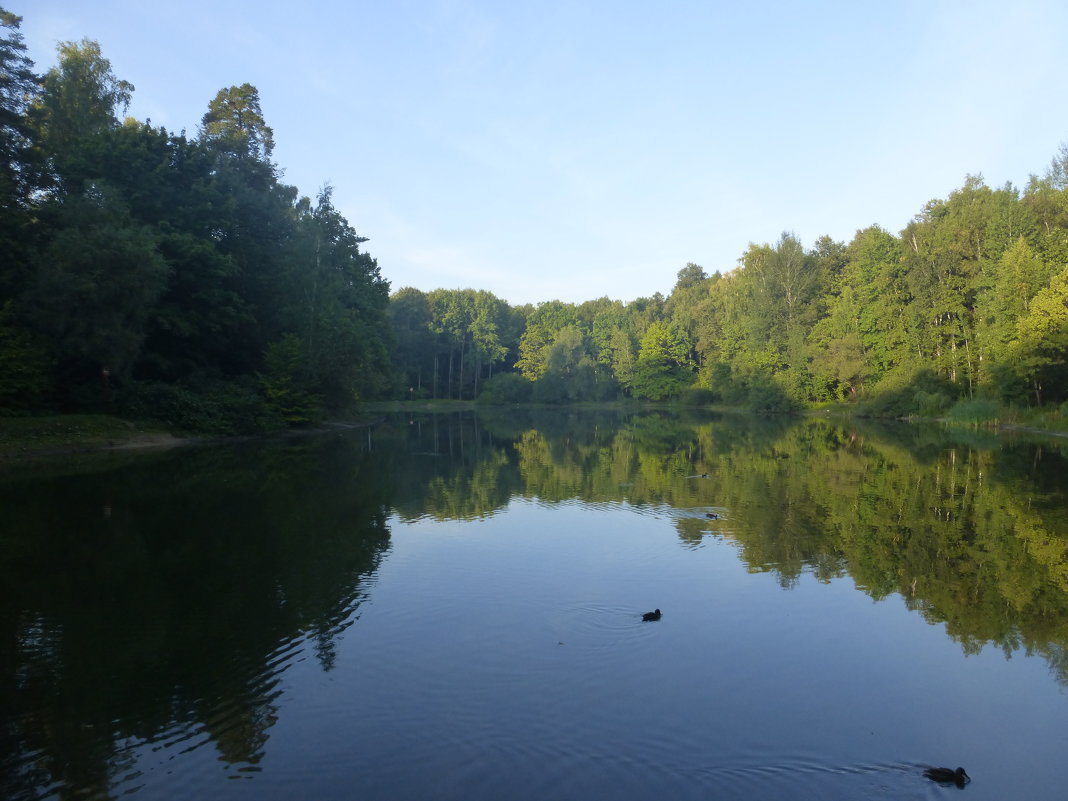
[948, 776]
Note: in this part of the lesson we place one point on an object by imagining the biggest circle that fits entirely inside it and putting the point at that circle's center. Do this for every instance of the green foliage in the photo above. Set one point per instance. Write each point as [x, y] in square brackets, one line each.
[337, 309]
[506, 388]
[543, 325]
[658, 381]
[138, 256]
[25, 365]
[930, 404]
[413, 357]
[688, 277]
[448, 341]
[234, 123]
[78, 100]
[19, 90]
[1014, 280]
[550, 388]
[570, 373]
[975, 411]
[768, 397]
[285, 382]
[220, 409]
[163, 258]
[842, 362]
[717, 376]
[909, 324]
[698, 396]
[96, 283]
[1039, 354]
[664, 368]
[906, 393]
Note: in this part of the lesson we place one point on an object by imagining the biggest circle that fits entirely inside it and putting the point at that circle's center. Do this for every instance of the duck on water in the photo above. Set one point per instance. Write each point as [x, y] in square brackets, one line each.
[654, 615]
[948, 776]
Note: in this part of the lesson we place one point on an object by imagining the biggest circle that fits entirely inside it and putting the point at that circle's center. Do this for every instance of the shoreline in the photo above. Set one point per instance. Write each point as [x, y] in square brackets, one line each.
[30, 439]
[1031, 430]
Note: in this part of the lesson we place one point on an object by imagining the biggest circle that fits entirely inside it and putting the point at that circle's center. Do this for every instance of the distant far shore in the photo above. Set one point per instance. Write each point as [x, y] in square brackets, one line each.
[54, 436]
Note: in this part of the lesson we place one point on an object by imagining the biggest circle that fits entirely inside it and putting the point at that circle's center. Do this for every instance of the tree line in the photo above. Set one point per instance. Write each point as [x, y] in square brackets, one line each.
[165, 275]
[966, 306]
[176, 277]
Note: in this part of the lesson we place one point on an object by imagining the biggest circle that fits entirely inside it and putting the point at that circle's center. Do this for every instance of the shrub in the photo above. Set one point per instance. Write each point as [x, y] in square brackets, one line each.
[904, 394]
[656, 380]
[223, 409]
[284, 382]
[930, 404]
[506, 388]
[25, 365]
[977, 411]
[698, 396]
[767, 396]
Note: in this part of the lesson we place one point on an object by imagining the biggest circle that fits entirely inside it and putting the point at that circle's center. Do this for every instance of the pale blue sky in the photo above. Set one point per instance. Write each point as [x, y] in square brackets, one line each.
[573, 150]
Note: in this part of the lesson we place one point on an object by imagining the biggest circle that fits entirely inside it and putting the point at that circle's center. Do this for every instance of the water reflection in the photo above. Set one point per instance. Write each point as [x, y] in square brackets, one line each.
[160, 602]
[969, 527]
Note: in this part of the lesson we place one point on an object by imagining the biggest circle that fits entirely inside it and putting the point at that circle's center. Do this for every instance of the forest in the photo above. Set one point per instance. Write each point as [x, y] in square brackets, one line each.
[159, 275]
[964, 310]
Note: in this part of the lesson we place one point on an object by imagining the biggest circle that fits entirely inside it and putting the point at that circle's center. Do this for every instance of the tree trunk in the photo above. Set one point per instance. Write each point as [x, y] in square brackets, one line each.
[968, 363]
[448, 388]
[460, 386]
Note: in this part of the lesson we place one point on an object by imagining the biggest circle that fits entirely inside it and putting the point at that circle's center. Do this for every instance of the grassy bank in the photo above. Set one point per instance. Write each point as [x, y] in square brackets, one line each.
[976, 413]
[44, 437]
[22, 437]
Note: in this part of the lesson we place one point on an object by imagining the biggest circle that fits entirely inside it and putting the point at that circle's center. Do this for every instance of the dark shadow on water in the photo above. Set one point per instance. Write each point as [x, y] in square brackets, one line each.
[161, 600]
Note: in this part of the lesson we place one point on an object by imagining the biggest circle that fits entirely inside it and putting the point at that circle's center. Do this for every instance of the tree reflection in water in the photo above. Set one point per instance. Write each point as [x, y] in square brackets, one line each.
[159, 600]
[970, 528]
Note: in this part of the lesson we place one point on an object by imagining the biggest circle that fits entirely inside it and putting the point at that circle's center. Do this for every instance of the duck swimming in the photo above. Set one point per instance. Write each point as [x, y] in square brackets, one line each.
[947, 776]
[711, 515]
[654, 615]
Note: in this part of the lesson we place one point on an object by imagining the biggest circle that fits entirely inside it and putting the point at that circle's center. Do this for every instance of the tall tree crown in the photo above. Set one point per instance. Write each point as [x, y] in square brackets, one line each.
[235, 123]
[80, 96]
[19, 86]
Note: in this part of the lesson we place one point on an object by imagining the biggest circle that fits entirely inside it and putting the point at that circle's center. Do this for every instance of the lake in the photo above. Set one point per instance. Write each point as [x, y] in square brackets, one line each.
[450, 607]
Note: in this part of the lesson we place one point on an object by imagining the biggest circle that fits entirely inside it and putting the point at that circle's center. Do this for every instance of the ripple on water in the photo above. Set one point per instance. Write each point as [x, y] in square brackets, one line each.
[601, 625]
[807, 777]
[539, 763]
[225, 724]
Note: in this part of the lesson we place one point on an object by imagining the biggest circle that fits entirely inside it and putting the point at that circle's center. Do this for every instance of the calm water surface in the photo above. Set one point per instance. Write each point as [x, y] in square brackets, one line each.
[450, 607]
